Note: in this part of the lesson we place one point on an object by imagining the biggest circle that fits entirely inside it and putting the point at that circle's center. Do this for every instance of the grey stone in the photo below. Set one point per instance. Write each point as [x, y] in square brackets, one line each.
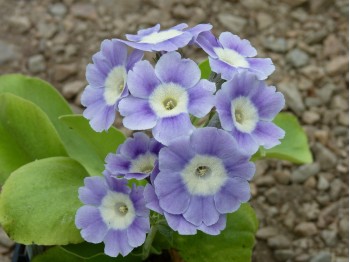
[62, 72]
[293, 97]
[342, 259]
[58, 9]
[310, 117]
[267, 232]
[84, 11]
[297, 58]
[344, 227]
[254, 4]
[20, 24]
[264, 20]
[336, 189]
[329, 237]
[36, 63]
[8, 52]
[317, 6]
[311, 210]
[306, 229]
[313, 72]
[273, 196]
[232, 22]
[279, 241]
[325, 92]
[324, 156]
[180, 11]
[322, 257]
[316, 36]
[322, 184]
[338, 65]
[302, 173]
[47, 30]
[283, 254]
[72, 89]
[282, 177]
[278, 45]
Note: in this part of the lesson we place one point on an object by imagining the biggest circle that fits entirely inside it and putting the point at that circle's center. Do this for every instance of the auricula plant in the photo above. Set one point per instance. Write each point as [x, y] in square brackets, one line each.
[180, 182]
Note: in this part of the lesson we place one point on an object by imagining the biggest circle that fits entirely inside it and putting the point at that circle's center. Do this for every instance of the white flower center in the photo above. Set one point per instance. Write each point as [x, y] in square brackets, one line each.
[114, 85]
[231, 57]
[169, 100]
[143, 164]
[117, 210]
[204, 175]
[244, 114]
[161, 36]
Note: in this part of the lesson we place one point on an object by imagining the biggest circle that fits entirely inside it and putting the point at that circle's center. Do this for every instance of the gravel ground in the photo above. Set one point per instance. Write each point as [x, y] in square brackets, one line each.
[303, 210]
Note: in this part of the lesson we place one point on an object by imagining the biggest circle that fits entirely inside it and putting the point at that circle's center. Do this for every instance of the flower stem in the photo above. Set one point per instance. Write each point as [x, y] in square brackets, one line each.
[148, 243]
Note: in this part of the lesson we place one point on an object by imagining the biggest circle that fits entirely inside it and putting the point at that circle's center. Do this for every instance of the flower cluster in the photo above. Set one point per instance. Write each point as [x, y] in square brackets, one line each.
[195, 173]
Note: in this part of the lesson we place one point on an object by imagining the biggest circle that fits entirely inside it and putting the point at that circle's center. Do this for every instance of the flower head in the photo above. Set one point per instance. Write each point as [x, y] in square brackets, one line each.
[202, 178]
[113, 213]
[246, 107]
[152, 39]
[178, 222]
[135, 158]
[229, 54]
[107, 83]
[162, 98]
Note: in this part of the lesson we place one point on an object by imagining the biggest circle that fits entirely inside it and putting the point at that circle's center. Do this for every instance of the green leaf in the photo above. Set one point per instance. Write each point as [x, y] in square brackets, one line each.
[95, 253]
[39, 92]
[53, 104]
[39, 200]
[294, 146]
[26, 134]
[102, 143]
[234, 244]
[205, 69]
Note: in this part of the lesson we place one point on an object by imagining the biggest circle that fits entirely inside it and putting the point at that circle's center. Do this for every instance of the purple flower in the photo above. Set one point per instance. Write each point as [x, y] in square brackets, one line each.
[178, 222]
[162, 98]
[230, 54]
[202, 178]
[113, 214]
[107, 83]
[135, 158]
[246, 107]
[151, 39]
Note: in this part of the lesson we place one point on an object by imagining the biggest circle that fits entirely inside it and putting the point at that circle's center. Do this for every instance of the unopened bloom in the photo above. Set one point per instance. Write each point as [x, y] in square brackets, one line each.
[152, 39]
[107, 83]
[230, 54]
[246, 107]
[202, 178]
[135, 158]
[113, 213]
[163, 97]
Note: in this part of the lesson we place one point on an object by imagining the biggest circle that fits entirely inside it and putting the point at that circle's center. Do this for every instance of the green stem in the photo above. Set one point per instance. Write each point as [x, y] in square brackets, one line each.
[148, 243]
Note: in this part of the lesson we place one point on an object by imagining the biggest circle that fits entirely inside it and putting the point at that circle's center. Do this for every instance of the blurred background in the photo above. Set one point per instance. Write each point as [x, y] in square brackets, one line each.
[303, 210]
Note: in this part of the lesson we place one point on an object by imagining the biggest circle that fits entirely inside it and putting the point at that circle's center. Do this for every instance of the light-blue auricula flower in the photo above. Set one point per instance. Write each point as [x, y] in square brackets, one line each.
[107, 83]
[230, 54]
[112, 213]
[202, 177]
[135, 158]
[246, 107]
[154, 39]
[163, 97]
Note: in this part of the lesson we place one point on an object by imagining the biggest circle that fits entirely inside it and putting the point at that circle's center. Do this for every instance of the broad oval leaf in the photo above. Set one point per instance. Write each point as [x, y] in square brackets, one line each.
[205, 69]
[62, 253]
[294, 146]
[39, 92]
[39, 200]
[53, 104]
[26, 134]
[235, 243]
[102, 143]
